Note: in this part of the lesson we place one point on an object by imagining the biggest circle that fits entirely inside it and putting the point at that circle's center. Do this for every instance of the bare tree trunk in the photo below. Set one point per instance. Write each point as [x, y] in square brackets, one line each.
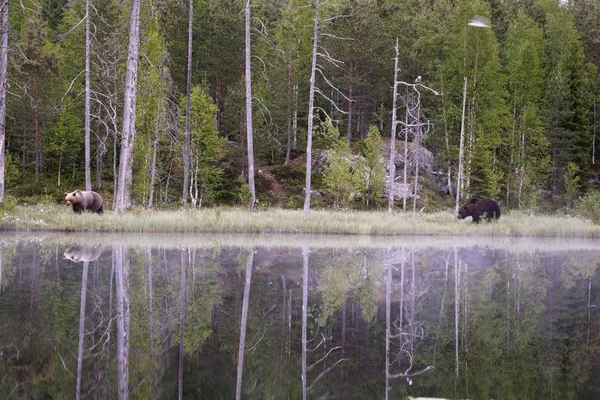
[244, 325]
[3, 75]
[417, 151]
[405, 177]
[102, 135]
[188, 88]
[182, 290]
[593, 137]
[249, 132]
[155, 146]
[88, 175]
[350, 102]
[128, 138]
[36, 127]
[311, 101]
[290, 99]
[295, 118]
[84, 277]
[392, 164]
[461, 149]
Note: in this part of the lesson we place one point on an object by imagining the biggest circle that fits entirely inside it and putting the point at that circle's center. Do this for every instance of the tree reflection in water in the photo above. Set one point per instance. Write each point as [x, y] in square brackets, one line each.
[449, 321]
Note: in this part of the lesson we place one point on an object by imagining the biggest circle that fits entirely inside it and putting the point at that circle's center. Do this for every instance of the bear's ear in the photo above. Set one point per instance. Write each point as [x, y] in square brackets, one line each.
[473, 200]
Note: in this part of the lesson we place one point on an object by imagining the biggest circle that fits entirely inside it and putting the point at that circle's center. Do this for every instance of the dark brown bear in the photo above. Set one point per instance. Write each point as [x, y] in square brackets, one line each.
[477, 208]
[85, 200]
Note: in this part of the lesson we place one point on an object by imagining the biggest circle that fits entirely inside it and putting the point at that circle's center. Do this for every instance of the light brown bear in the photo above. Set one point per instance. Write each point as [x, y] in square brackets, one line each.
[85, 200]
[82, 253]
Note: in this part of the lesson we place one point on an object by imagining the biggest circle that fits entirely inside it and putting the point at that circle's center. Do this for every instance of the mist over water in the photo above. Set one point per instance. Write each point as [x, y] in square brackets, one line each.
[274, 316]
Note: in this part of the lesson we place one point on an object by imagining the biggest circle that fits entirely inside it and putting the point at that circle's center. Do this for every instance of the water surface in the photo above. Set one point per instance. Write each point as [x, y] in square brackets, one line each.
[226, 316]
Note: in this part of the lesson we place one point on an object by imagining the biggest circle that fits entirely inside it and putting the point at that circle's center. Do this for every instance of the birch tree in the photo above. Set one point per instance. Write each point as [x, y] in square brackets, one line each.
[188, 88]
[128, 134]
[392, 163]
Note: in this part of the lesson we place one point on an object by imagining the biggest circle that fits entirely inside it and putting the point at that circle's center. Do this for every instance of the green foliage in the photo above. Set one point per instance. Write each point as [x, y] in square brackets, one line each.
[207, 146]
[338, 177]
[588, 207]
[369, 168]
[325, 135]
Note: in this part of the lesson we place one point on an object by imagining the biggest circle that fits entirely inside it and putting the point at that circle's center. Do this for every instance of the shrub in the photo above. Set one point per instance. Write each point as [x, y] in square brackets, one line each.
[588, 207]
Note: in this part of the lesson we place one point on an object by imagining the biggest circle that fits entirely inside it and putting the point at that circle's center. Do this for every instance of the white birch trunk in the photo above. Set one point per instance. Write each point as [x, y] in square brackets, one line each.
[392, 164]
[311, 101]
[88, 174]
[188, 133]
[249, 132]
[129, 108]
[461, 149]
[405, 177]
[3, 74]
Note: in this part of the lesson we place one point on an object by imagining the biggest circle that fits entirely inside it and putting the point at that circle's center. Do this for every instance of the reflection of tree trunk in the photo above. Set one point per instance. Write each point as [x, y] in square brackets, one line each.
[122, 289]
[456, 279]
[182, 318]
[304, 316]
[151, 307]
[84, 277]
[589, 307]
[388, 323]
[243, 325]
[447, 264]
[401, 318]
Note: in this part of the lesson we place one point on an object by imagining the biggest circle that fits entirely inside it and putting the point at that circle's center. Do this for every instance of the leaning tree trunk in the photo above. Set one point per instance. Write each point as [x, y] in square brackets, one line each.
[392, 164]
[461, 149]
[129, 107]
[311, 101]
[188, 133]
[249, 109]
[3, 73]
[88, 176]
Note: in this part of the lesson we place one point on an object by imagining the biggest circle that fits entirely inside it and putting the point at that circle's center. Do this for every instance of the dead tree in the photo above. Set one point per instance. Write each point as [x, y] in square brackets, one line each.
[128, 135]
[318, 51]
[249, 133]
[392, 164]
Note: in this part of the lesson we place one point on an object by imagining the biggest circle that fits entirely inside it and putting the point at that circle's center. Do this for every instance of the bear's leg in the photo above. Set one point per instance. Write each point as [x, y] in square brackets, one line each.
[77, 208]
[475, 219]
[100, 211]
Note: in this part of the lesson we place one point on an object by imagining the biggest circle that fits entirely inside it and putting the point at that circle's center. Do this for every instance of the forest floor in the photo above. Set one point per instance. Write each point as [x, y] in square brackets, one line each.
[274, 220]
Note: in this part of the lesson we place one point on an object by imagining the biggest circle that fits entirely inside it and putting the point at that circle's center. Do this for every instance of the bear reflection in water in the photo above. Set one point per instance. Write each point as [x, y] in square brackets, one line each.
[82, 253]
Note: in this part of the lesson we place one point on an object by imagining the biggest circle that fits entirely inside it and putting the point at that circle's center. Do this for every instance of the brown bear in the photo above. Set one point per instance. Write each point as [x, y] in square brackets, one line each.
[477, 208]
[85, 200]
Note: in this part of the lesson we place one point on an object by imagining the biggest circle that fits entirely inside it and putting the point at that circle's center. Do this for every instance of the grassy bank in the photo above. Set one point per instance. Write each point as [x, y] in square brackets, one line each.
[56, 218]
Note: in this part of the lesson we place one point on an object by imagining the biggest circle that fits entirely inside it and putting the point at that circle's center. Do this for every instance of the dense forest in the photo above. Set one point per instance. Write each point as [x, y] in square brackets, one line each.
[522, 93]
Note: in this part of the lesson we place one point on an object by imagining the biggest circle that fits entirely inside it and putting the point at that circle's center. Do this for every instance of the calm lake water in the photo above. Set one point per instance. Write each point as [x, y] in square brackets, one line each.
[287, 317]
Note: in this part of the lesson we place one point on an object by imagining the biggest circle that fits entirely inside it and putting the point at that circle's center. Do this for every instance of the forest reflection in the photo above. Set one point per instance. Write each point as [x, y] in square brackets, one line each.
[120, 320]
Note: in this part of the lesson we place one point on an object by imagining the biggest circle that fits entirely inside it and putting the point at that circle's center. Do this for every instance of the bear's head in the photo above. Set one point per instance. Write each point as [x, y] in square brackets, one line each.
[467, 209]
[73, 198]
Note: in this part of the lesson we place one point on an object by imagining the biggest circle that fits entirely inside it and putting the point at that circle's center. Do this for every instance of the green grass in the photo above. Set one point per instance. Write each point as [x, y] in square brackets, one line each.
[56, 218]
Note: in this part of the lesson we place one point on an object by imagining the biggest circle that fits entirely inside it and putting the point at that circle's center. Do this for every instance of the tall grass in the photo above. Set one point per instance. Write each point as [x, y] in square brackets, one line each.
[55, 218]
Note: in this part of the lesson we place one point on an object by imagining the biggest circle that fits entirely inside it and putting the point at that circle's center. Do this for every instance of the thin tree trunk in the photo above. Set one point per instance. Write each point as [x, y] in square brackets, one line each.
[102, 135]
[392, 164]
[311, 101]
[151, 316]
[290, 99]
[295, 118]
[36, 127]
[88, 175]
[155, 146]
[249, 132]
[350, 102]
[128, 138]
[593, 138]
[405, 177]
[244, 325]
[3, 75]
[59, 169]
[188, 88]
[461, 147]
